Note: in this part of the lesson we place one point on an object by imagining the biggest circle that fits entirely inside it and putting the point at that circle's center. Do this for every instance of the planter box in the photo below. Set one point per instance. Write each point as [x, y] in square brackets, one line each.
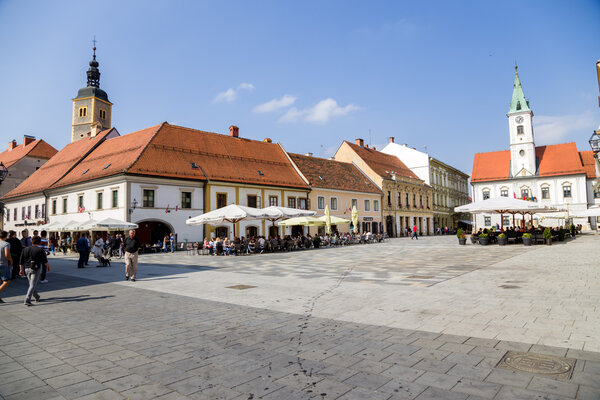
[484, 241]
[502, 241]
[549, 241]
[474, 239]
[462, 242]
[527, 241]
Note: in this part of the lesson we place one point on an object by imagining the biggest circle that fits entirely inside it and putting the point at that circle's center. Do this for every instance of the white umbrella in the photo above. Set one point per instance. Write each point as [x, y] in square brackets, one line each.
[231, 213]
[70, 226]
[86, 225]
[275, 213]
[504, 205]
[590, 212]
[111, 224]
[52, 226]
[304, 221]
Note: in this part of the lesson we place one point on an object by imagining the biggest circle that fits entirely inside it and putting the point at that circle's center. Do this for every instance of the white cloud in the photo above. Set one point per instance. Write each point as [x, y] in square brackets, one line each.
[231, 94]
[320, 113]
[553, 129]
[285, 101]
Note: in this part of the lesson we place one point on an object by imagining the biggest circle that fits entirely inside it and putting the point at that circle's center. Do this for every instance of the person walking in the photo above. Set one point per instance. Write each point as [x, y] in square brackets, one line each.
[172, 242]
[87, 237]
[414, 233]
[15, 252]
[132, 246]
[32, 260]
[25, 238]
[83, 248]
[44, 246]
[5, 262]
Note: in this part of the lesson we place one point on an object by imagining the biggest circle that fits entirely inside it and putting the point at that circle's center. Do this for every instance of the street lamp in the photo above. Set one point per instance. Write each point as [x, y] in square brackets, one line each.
[134, 204]
[595, 143]
[3, 172]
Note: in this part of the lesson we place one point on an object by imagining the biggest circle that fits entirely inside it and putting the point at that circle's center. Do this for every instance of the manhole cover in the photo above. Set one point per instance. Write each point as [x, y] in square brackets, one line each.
[558, 367]
[510, 287]
[240, 287]
[421, 276]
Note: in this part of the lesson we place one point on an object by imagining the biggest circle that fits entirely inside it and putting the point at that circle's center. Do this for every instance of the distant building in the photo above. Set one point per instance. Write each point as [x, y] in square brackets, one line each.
[450, 185]
[557, 175]
[406, 198]
[341, 186]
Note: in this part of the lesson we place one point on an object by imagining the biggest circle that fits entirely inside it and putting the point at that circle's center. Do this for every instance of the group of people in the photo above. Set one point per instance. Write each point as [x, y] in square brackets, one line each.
[24, 257]
[167, 244]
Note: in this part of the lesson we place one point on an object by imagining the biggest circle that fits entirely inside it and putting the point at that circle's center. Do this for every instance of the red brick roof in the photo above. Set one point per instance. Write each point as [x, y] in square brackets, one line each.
[589, 163]
[383, 164]
[553, 160]
[331, 174]
[57, 166]
[36, 149]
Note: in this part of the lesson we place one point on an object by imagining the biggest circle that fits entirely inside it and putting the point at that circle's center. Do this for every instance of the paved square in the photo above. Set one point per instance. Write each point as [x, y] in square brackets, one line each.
[401, 319]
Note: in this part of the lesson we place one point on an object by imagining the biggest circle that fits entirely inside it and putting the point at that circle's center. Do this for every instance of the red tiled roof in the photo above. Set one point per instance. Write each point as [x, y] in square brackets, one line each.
[589, 163]
[57, 166]
[553, 160]
[36, 149]
[383, 164]
[331, 174]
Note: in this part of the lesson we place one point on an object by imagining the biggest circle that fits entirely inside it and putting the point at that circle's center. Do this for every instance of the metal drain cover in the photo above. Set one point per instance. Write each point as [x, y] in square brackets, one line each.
[558, 367]
[240, 287]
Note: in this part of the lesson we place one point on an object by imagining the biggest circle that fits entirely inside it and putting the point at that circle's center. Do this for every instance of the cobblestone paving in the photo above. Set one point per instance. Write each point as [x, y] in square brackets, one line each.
[90, 340]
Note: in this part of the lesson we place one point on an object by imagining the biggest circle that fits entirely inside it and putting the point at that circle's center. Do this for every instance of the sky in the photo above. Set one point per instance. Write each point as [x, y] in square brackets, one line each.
[436, 75]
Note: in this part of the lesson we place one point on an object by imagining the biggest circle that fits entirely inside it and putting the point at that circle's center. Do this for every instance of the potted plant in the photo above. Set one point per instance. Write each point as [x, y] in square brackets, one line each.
[573, 230]
[462, 238]
[316, 242]
[561, 234]
[474, 238]
[502, 239]
[483, 239]
[547, 234]
[527, 239]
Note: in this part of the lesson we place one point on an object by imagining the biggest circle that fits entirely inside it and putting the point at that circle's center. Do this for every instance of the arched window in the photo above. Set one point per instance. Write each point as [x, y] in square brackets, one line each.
[486, 194]
[520, 130]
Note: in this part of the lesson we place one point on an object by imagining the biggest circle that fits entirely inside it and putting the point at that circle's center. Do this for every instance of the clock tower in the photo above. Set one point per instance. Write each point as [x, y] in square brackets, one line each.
[520, 123]
[91, 108]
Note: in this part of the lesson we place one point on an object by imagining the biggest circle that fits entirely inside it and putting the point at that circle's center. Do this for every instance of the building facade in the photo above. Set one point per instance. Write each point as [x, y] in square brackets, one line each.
[407, 200]
[555, 175]
[450, 185]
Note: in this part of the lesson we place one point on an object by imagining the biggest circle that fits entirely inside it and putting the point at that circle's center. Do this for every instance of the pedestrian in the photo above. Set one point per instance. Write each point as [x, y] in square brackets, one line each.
[172, 242]
[5, 262]
[83, 248]
[414, 233]
[98, 250]
[44, 246]
[33, 258]
[25, 238]
[15, 252]
[165, 246]
[87, 237]
[132, 246]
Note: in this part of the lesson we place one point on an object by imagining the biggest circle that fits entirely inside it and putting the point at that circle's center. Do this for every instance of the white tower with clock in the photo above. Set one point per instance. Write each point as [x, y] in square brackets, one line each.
[520, 122]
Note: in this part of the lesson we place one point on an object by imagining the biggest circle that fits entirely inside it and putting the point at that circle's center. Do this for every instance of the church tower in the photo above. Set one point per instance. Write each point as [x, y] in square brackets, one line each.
[520, 123]
[91, 108]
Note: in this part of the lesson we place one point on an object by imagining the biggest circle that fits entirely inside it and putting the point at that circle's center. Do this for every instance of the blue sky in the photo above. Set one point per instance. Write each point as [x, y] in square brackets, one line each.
[308, 74]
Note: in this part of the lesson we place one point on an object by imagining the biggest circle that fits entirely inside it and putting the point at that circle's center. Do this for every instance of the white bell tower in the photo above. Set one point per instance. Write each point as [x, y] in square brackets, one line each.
[520, 123]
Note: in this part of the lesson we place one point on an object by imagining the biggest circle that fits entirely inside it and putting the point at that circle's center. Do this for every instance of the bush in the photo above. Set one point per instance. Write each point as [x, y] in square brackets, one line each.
[572, 229]
[502, 235]
[483, 235]
[561, 233]
[527, 235]
[459, 233]
[547, 234]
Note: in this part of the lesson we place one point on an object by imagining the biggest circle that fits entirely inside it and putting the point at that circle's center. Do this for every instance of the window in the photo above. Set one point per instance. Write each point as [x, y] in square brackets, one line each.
[596, 194]
[28, 212]
[44, 210]
[22, 213]
[367, 205]
[427, 201]
[545, 192]
[525, 193]
[37, 211]
[7, 214]
[334, 203]
[273, 200]
[399, 199]
[321, 203]
[53, 206]
[421, 200]
[99, 198]
[80, 201]
[354, 204]
[252, 201]
[82, 112]
[486, 194]
[15, 214]
[375, 205]
[64, 209]
[186, 199]
[115, 199]
[102, 114]
[221, 200]
[148, 198]
[303, 203]
[389, 199]
[567, 191]
[487, 221]
[504, 192]
[506, 220]
[520, 130]
[291, 202]
[406, 199]
[414, 200]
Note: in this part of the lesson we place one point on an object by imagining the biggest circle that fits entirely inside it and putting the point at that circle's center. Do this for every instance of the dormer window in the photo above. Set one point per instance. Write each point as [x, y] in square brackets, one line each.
[82, 112]
[520, 130]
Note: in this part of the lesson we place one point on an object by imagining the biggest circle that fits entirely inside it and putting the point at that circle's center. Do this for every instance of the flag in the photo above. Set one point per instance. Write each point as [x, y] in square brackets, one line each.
[80, 209]
[176, 208]
[167, 210]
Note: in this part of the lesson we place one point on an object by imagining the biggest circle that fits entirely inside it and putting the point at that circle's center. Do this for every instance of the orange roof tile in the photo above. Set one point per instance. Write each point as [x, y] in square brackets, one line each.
[589, 163]
[37, 149]
[492, 166]
[331, 174]
[57, 166]
[383, 164]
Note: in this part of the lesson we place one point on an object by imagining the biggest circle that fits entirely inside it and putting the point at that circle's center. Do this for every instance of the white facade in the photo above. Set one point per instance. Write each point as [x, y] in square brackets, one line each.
[522, 146]
[416, 161]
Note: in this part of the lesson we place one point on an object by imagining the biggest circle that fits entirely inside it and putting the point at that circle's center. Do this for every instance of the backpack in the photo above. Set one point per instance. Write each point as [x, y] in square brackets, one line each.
[29, 261]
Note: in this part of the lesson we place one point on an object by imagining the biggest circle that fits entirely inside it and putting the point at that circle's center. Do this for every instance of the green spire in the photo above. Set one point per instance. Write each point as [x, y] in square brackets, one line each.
[518, 103]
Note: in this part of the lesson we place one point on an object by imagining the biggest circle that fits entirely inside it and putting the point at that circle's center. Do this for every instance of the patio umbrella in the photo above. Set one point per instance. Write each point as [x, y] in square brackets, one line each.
[86, 225]
[503, 205]
[51, 227]
[334, 220]
[327, 221]
[232, 213]
[111, 224]
[304, 221]
[355, 219]
[275, 213]
[590, 212]
[70, 226]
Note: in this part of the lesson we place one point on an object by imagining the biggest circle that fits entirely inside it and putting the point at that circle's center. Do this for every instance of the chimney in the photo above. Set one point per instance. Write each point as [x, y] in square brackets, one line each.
[404, 144]
[360, 142]
[308, 154]
[268, 140]
[366, 146]
[234, 131]
[12, 144]
[374, 148]
[391, 139]
[96, 129]
[28, 139]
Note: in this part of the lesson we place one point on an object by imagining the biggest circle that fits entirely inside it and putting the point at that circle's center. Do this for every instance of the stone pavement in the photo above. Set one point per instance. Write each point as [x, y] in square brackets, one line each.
[94, 337]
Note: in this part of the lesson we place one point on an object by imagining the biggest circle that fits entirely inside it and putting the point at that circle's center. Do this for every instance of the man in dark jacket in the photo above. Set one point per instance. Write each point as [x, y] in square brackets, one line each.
[83, 248]
[32, 259]
[132, 246]
[15, 252]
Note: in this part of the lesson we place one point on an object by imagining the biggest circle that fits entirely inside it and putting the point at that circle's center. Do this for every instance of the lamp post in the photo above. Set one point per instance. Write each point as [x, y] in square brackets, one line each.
[134, 204]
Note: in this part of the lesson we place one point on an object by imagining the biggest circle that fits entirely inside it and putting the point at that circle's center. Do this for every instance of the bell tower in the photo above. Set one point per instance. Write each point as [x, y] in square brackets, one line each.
[91, 106]
[520, 123]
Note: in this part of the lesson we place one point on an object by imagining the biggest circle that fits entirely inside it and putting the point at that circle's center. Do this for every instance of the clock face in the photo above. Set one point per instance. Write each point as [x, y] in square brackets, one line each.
[519, 119]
